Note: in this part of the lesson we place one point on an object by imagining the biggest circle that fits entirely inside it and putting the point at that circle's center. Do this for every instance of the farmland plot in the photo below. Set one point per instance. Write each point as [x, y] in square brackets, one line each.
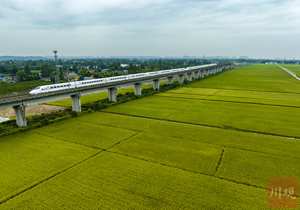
[257, 77]
[185, 154]
[95, 135]
[256, 168]
[111, 181]
[28, 158]
[121, 121]
[235, 139]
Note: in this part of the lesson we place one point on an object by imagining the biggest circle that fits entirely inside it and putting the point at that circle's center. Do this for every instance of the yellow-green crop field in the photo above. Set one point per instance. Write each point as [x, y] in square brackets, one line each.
[212, 144]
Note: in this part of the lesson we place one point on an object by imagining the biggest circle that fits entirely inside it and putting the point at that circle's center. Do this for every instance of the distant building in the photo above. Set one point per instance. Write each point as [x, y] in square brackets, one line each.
[7, 76]
[124, 65]
[2, 79]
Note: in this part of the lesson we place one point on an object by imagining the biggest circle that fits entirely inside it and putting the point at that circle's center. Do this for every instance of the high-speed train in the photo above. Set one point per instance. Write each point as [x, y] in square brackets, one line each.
[63, 86]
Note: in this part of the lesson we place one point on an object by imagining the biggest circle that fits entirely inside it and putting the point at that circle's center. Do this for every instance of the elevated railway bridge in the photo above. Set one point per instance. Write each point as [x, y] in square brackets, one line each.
[20, 102]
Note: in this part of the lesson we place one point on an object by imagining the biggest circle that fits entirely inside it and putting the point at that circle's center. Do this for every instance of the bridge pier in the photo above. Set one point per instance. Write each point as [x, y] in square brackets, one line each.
[206, 72]
[112, 94]
[189, 76]
[156, 84]
[170, 80]
[76, 102]
[196, 74]
[20, 115]
[138, 88]
[180, 78]
[202, 73]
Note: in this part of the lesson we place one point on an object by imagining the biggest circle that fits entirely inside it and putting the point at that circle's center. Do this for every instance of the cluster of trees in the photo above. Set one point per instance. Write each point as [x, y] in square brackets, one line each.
[27, 74]
[47, 70]
[8, 88]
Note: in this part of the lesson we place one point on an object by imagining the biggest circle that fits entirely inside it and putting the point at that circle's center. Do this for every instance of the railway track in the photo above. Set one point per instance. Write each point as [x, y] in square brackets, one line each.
[9, 97]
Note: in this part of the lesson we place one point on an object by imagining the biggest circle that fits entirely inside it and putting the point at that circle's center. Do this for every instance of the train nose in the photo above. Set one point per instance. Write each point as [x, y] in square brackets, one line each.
[33, 92]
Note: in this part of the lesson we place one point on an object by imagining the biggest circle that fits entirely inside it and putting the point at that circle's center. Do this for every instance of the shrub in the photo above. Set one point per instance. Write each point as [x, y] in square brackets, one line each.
[45, 122]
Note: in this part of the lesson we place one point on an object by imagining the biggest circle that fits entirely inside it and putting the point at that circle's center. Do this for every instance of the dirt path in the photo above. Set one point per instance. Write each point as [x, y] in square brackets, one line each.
[34, 109]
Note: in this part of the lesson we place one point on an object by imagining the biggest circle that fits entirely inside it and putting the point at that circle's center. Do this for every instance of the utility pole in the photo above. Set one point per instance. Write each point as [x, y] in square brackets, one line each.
[57, 75]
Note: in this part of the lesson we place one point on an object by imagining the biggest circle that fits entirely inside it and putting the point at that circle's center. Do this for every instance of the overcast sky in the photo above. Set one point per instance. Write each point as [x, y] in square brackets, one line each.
[254, 28]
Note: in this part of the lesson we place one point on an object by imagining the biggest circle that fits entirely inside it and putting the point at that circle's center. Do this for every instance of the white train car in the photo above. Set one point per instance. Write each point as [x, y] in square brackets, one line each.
[165, 71]
[131, 76]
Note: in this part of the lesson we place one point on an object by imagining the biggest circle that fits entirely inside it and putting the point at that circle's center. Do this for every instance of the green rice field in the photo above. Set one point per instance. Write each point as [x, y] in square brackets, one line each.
[212, 144]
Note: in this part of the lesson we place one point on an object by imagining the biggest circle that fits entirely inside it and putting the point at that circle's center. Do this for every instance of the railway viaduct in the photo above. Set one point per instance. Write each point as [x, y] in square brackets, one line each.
[20, 102]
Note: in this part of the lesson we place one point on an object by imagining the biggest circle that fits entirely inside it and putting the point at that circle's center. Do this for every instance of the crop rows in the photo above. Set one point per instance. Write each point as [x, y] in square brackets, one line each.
[111, 181]
[28, 158]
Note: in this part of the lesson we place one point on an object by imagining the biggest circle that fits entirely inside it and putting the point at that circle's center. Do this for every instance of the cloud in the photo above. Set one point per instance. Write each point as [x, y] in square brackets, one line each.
[186, 25]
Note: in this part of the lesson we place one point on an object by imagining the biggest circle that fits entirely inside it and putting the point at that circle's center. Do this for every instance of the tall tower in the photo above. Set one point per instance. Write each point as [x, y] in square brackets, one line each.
[57, 75]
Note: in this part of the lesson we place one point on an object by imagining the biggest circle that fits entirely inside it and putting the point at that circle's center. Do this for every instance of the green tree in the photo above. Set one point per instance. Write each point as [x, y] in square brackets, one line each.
[14, 69]
[22, 75]
[27, 69]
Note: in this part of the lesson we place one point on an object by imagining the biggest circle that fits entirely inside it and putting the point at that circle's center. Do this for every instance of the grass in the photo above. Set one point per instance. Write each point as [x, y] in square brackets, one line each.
[111, 181]
[256, 168]
[185, 154]
[95, 135]
[27, 158]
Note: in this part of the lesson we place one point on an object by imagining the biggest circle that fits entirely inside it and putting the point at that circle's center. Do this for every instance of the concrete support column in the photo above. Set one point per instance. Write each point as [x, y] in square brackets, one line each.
[180, 78]
[76, 104]
[202, 73]
[170, 80]
[189, 76]
[138, 88]
[113, 94]
[196, 74]
[156, 84]
[20, 115]
[206, 72]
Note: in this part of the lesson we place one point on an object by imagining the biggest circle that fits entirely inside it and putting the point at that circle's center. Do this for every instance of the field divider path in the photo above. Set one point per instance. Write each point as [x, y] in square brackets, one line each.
[220, 160]
[195, 172]
[68, 141]
[97, 123]
[263, 91]
[239, 102]
[179, 110]
[209, 126]
[228, 146]
[141, 131]
[50, 177]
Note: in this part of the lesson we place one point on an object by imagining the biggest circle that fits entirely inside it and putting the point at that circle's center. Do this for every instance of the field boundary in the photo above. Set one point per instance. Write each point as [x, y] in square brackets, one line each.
[209, 126]
[243, 90]
[237, 101]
